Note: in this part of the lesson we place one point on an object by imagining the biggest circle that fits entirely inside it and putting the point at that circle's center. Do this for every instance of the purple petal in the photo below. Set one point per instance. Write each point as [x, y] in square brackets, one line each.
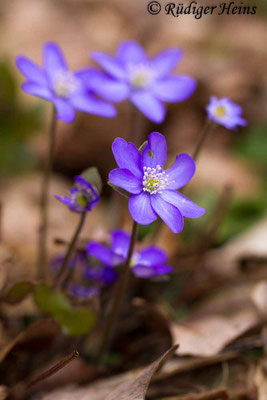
[109, 64]
[141, 210]
[103, 254]
[180, 173]
[64, 199]
[163, 269]
[155, 152]
[65, 111]
[120, 242]
[109, 275]
[144, 271]
[127, 156]
[168, 213]
[152, 255]
[53, 60]
[91, 105]
[35, 90]
[106, 87]
[149, 105]
[174, 89]
[164, 62]
[31, 71]
[124, 179]
[185, 206]
[131, 52]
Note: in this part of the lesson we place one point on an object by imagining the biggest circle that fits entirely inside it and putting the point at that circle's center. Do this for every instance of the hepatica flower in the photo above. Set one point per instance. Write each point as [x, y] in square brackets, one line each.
[225, 112]
[54, 82]
[83, 196]
[154, 190]
[146, 82]
[146, 263]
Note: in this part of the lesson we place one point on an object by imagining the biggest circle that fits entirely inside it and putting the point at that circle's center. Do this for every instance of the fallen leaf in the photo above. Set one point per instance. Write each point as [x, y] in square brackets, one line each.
[129, 386]
[209, 335]
[260, 380]
[44, 328]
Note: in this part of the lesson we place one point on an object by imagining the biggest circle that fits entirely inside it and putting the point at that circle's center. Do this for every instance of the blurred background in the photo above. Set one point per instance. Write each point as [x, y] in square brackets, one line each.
[226, 54]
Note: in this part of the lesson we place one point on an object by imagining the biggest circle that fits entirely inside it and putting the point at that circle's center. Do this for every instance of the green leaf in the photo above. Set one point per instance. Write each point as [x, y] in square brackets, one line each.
[119, 190]
[74, 321]
[92, 175]
[18, 292]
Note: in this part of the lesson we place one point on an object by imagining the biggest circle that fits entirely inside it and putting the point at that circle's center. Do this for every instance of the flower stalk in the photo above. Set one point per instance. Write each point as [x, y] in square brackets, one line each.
[207, 129]
[71, 247]
[118, 297]
[43, 228]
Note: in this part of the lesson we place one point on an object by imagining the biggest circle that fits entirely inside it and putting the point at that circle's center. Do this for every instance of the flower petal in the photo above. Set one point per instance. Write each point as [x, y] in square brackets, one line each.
[120, 242]
[168, 213]
[164, 62]
[149, 105]
[152, 255]
[131, 52]
[127, 156]
[141, 210]
[124, 179]
[106, 87]
[36, 90]
[103, 254]
[163, 269]
[144, 271]
[65, 111]
[53, 60]
[92, 105]
[180, 173]
[174, 89]
[112, 66]
[185, 206]
[31, 71]
[155, 152]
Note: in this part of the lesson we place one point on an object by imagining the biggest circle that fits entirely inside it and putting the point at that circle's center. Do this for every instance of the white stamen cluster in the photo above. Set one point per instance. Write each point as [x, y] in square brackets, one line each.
[140, 75]
[64, 84]
[154, 180]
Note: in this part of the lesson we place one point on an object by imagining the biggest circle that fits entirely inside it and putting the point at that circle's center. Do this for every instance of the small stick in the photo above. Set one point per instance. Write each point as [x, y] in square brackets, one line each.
[53, 370]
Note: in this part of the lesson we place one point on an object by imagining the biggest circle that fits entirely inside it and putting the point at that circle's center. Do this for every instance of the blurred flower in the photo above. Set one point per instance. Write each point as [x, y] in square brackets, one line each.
[225, 112]
[83, 197]
[55, 83]
[147, 83]
[82, 291]
[146, 263]
[153, 190]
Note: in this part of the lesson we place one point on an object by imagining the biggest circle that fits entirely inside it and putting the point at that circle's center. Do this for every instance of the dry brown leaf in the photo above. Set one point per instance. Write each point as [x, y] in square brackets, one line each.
[260, 380]
[44, 328]
[259, 296]
[129, 386]
[3, 392]
[209, 335]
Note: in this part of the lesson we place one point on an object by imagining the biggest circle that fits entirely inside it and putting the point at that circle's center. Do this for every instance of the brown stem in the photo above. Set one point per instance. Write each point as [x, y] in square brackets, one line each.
[43, 227]
[71, 247]
[137, 127]
[118, 297]
[208, 127]
[51, 371]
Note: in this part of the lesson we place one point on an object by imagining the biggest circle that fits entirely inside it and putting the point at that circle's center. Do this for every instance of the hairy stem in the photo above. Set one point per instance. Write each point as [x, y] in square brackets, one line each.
[71, 247]
[118, 297]
[43, 227]
[208, 127]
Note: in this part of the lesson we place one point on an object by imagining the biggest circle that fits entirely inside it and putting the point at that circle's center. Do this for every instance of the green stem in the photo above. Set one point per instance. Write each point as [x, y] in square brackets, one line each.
[43, 228]
[118, 297]
[208, 127]
[64, 265]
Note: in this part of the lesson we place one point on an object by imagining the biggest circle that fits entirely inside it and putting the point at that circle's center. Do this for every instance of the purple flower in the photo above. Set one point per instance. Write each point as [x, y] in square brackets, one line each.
[225, 112]
[82, 291]
[154, 190]
[55, 83]
[146, 263]
[147, 83]
[83, 197]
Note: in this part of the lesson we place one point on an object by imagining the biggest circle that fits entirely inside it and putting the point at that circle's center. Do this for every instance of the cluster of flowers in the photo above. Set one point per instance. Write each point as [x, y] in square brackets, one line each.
[146, 82]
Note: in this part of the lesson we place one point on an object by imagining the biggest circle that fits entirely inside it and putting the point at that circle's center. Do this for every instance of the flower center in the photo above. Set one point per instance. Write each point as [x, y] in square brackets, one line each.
[220, 112]
[64, 84]
[140, 76]
[154, 180]
[82, 199]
